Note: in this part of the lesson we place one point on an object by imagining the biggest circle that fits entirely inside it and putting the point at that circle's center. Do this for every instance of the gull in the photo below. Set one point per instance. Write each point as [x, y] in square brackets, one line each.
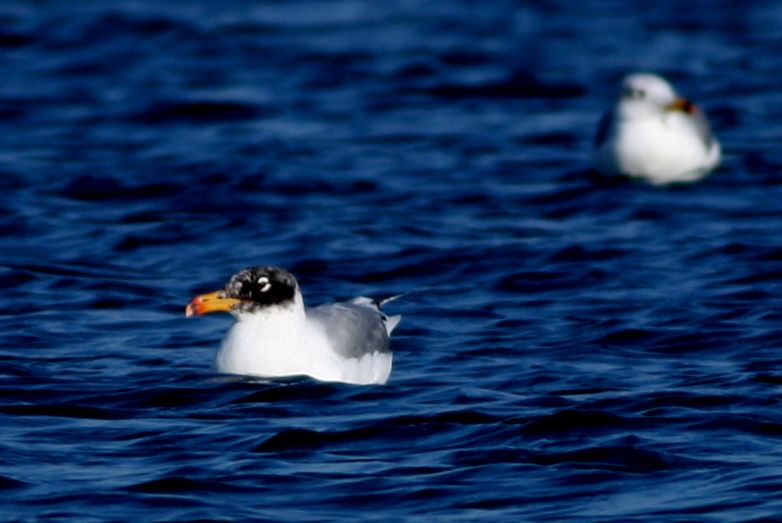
[276, 335]
[655, 135]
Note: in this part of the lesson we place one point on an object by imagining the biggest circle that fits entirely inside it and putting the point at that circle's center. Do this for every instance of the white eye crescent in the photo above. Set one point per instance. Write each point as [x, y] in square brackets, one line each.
[263, 280]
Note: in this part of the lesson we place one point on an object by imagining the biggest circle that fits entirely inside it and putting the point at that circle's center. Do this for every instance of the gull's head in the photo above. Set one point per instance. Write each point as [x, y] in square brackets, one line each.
[646, 95]
[249, 291]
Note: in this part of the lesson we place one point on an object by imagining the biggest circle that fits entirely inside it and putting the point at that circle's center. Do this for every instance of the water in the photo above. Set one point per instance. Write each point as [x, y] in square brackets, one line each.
[570, 350]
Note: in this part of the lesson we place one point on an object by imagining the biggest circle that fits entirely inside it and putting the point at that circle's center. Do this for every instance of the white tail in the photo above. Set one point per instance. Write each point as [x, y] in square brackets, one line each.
[391, 322]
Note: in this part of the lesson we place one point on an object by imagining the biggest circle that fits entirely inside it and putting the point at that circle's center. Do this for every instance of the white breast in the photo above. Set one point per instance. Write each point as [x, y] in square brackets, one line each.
[661, 148]
[286, 344]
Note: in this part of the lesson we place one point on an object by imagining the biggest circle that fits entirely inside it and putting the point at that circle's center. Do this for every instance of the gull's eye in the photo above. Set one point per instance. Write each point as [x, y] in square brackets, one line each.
[631, 92]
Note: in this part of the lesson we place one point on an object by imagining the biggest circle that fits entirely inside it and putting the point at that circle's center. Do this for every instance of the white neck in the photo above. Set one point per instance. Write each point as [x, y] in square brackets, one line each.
[634, 110]
[270, 342]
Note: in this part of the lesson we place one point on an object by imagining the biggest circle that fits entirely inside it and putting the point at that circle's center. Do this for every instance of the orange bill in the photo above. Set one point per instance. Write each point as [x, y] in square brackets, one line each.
[683, 105]
[211, 302]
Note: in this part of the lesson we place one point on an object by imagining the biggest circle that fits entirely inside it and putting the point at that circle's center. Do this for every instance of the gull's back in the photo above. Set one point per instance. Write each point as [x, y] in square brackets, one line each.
[354, 328]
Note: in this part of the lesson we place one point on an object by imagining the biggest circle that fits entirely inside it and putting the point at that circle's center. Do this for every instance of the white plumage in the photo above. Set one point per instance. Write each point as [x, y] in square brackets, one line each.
[655, 135]
[276, 335]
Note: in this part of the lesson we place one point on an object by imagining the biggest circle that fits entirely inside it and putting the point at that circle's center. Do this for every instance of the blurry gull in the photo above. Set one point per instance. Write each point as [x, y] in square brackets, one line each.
[276, 335]
[655, 135]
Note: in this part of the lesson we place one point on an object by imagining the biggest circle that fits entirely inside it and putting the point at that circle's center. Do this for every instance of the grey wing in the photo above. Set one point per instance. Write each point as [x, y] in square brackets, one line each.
[603, 129]
[354, 329]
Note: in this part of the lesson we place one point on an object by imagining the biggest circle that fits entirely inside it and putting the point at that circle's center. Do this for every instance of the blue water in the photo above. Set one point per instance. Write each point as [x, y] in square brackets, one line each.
[570, 350]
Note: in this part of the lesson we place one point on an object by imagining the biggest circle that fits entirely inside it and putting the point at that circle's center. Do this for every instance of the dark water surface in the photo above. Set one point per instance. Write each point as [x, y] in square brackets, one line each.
[571, 350]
